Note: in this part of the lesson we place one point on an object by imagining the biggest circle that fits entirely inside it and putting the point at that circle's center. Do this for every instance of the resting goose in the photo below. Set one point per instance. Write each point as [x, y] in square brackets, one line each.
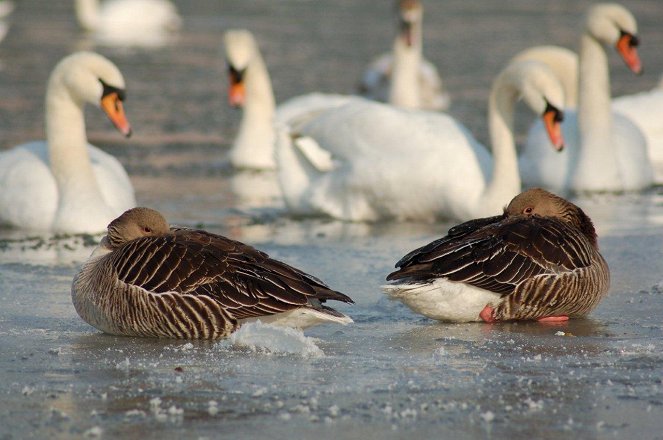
[605, 150]
[404, 78]
[66, 184]
[537, 261]
[251, 89]
[148, 279]
[367, 161]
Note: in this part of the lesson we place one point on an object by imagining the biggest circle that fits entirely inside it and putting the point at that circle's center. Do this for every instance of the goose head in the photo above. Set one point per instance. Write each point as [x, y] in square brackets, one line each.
[541, 203]
[614, 25]
[240, 46]
[542, 92]
[410, 13]
[133, 224]
[90, 78]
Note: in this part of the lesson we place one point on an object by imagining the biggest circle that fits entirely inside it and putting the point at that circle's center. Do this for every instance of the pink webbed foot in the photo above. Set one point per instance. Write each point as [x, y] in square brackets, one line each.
[487, 314]
[553, 319]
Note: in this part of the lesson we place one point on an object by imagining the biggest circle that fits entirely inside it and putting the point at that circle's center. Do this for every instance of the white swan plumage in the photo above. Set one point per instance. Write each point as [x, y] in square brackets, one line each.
[66, 184]
[404, 77]
[251, 89]
[605, 150]
[645, 110]
[129, 22]
[365, 161]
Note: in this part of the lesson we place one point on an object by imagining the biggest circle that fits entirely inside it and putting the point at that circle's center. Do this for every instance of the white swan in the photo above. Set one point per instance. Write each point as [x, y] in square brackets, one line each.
[251, 89]
[65, 184]
[404, 78]
[365, 161]
[605, 151]
[128, 22]
[645, 110]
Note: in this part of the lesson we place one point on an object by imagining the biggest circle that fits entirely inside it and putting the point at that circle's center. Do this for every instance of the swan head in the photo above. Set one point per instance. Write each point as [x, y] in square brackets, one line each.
[410, 13]
[90, 78]
[240, 47]
[542, 92]
[133, 224]
[613, 25]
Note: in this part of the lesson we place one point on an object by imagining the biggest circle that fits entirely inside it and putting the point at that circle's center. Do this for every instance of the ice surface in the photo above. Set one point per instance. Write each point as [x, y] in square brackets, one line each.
[391, 374]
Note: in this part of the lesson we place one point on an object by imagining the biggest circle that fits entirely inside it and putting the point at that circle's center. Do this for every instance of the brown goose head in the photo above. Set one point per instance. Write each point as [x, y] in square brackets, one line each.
[539, 202]
[136, 223]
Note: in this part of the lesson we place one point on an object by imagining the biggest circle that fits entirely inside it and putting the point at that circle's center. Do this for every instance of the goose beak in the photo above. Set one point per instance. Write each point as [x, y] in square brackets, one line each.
[111, 104]
[627, 47]
[552, 118]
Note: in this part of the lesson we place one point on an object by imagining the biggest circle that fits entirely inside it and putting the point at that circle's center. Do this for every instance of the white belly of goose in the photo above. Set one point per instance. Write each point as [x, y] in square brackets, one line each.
[443, 300]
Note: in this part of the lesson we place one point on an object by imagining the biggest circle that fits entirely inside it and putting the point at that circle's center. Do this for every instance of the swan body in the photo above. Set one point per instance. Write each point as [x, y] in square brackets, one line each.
[251, 89]
[605, 150]
[404, 78]
[366, 161]
[645, 110]
[147, 279]
[65, 184]
[539, 260]
[128, 22]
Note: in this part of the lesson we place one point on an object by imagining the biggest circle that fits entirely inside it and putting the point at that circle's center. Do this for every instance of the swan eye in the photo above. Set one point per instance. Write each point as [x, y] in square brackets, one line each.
[528, 210]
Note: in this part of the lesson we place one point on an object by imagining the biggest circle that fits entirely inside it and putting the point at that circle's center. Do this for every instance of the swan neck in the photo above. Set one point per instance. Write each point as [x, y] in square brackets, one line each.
[505, 180]
[594, 107]
[87, 14]
[404, 87]
[67, 142]
[255, 138]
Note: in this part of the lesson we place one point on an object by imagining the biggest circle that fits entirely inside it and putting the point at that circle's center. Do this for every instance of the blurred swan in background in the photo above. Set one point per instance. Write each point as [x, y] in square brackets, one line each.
[403, 77]
[605, 150]
[366, 161]
[128, 22]
[251, 89]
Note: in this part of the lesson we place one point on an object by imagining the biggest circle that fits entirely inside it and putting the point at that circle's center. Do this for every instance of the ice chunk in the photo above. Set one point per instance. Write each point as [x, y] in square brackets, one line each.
[273, 339]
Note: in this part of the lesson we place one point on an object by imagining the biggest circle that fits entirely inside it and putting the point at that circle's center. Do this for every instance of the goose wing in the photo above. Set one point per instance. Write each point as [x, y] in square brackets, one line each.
[244, 280]
[498, 253]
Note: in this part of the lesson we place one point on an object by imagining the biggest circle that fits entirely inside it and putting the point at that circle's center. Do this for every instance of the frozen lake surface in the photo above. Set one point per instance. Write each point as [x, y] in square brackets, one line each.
[392, 374]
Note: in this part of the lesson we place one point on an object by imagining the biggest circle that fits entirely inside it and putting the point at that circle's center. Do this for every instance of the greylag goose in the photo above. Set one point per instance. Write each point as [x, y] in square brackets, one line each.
[148, 279]
[539, 260]
[404, 78]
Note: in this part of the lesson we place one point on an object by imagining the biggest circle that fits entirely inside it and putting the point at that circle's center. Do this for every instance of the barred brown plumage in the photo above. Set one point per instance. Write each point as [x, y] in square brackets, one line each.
[148, 279]
[537, 260]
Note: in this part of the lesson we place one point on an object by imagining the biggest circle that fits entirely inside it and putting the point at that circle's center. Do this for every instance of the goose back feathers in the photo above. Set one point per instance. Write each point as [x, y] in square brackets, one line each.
[147, 279]
[538, 259]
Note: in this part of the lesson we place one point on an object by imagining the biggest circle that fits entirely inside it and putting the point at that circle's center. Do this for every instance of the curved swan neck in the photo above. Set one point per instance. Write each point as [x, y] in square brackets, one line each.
[87, 13]
[505, 179]
[67, 146]
[404, 87]
[594, 109]
[254, 142]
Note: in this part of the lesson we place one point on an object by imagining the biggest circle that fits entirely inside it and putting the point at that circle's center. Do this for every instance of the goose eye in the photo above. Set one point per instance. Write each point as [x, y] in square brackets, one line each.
[528, 210]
